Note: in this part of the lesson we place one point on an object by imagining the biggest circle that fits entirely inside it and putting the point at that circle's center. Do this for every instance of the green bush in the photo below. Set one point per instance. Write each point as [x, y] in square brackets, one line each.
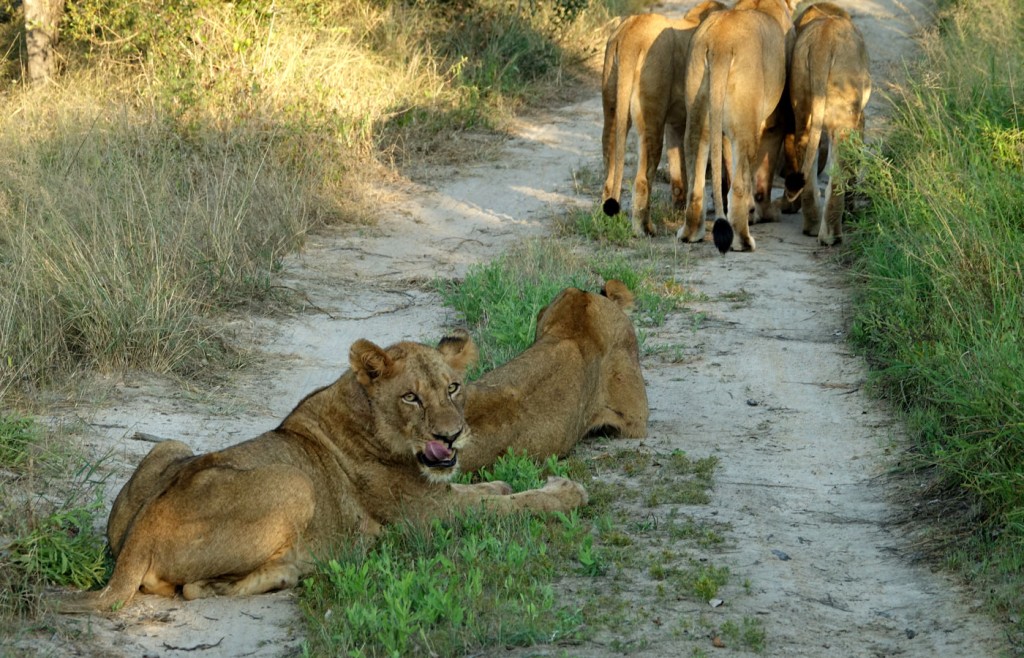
[64, 549]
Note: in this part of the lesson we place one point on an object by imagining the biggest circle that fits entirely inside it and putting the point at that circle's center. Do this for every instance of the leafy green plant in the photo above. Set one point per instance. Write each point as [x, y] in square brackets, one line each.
[519, 471]
[64, 549]
[16, 437]
[704, 581]
[453, 587]
[590, 558]
[748, 632]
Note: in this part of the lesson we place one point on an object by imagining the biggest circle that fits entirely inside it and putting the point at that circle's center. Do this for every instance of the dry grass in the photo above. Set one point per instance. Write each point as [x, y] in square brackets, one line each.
[186, 148]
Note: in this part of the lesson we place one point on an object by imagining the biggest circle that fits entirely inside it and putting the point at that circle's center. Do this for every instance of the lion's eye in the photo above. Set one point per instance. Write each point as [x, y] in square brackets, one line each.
[453, 388]
[411, 398]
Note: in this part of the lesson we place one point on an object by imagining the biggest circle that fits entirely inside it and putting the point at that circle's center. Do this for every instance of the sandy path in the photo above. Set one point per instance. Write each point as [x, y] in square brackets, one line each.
[769, 386]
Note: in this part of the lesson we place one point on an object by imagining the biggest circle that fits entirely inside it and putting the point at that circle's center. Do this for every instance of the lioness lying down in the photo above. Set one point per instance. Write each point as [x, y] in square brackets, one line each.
[377, 445]
[581, 375]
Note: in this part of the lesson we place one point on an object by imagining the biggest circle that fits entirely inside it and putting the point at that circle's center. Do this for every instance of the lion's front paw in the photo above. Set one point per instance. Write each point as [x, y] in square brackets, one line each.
[569, 492]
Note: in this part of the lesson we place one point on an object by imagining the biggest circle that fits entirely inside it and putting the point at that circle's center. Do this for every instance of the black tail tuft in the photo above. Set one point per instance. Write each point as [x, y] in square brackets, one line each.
[795, 183]
[611, 207]
[722, 233]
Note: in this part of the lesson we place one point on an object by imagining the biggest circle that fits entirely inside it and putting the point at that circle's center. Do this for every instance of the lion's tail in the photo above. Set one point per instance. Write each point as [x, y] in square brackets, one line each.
[124, 583]
[808, 172]
[722, 230]
[609, 101]
[626, 70]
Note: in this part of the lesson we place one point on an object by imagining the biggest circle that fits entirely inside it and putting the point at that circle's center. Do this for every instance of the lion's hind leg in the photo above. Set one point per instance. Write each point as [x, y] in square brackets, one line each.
[242, 533]
[276, 574]
[833, 205]
[153, 474]
[696, 153]
[214, 522]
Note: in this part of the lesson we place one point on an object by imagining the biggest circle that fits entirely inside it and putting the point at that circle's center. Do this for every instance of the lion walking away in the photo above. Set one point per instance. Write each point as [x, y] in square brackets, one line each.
[830, 84]
[643, 83]
[735, 78]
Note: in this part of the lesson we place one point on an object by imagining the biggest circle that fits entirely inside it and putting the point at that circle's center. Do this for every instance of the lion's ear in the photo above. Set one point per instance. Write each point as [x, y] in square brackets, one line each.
[368, 361]
[459, 350]
[617, 291]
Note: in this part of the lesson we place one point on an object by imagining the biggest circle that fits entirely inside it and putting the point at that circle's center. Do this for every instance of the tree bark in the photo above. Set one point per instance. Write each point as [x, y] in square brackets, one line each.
[42, 18]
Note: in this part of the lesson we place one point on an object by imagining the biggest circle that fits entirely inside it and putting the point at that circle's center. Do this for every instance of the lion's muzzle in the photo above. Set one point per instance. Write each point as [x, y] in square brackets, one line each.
[440, 452]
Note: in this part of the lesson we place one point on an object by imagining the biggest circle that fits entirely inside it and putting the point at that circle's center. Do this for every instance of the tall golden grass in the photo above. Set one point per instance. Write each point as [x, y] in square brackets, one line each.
[185, 148]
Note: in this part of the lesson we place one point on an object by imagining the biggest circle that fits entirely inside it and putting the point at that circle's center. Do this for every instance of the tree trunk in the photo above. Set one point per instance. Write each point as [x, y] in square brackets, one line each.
[41, 20]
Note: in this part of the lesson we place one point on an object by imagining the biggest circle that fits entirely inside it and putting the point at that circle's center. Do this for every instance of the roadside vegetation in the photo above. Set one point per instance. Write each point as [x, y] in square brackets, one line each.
[186, 147]
[49, 502]
[940, 309]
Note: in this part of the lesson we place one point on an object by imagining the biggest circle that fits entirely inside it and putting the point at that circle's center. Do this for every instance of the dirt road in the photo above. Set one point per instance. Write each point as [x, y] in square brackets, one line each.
[768, 386]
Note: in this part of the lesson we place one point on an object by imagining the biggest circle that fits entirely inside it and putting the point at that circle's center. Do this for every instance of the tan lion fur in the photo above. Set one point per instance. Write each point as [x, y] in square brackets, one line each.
[735, 78]
[643, 81]
[376, 446]
[830, 84]
[580, 375]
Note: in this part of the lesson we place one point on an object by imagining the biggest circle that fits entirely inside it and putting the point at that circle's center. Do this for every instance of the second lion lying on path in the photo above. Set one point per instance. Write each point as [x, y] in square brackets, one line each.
[376, 446]
[580, 376]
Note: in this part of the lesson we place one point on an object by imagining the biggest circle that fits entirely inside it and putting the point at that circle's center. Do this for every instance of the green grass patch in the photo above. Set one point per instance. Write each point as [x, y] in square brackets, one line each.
[63, 548]
[520, 472]
[17, 434]
[599, 227]
[500, 300]
[941, 292]
[748, 632]
[453, 588]
[44, 543]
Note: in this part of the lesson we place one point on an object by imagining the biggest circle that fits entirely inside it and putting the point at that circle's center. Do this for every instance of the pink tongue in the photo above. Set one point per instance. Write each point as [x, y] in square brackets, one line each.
[437, 451]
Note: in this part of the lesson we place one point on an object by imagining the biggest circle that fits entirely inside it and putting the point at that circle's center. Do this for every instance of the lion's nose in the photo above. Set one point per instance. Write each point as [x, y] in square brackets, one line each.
[450, 437]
